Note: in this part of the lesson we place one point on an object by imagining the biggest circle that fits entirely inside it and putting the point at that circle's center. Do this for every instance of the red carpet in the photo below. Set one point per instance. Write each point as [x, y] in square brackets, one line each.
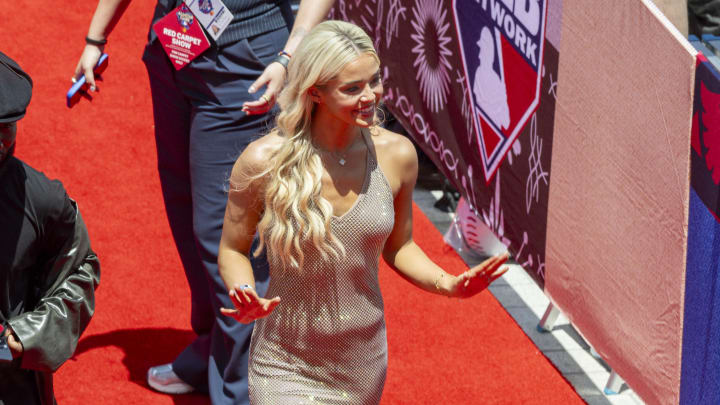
[441, 351]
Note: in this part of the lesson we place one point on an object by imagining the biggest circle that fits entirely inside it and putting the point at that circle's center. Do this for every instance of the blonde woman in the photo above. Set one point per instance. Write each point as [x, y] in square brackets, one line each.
[329, 191]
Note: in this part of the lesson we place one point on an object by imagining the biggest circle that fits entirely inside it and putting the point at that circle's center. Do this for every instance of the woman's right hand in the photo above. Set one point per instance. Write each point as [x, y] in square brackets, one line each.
[89, 58]
[248, 305]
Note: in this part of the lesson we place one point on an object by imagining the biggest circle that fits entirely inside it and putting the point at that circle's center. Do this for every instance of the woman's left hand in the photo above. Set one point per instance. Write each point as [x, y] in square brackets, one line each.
[479, 277]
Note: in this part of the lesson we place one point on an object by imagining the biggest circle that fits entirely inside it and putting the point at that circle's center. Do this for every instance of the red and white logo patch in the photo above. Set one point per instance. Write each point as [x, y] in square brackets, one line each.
[502, 52]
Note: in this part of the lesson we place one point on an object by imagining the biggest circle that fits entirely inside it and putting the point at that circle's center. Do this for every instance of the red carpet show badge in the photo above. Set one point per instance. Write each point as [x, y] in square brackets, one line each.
[502, 53]
[181, 37]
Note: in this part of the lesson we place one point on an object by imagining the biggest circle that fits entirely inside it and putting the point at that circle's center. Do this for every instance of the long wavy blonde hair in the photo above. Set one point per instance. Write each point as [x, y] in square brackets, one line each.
[295, 212]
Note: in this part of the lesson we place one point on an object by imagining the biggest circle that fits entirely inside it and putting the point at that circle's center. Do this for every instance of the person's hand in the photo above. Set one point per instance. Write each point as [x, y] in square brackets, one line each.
[16, 348]
[274, 78]
[89, 58]
[248, 305]
[479, 277]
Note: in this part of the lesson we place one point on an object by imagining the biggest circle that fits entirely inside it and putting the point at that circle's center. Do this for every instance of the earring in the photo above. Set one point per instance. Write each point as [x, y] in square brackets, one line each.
[379, 112]
[314, 95]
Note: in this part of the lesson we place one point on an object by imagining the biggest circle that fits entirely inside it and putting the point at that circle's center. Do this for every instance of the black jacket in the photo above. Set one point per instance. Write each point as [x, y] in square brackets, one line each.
[48, 276]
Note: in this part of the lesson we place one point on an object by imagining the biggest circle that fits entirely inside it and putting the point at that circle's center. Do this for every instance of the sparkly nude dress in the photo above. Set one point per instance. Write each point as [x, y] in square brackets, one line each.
[325, 343]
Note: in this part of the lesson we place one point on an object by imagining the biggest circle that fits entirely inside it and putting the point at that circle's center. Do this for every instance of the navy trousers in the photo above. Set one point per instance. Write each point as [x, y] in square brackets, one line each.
[200, 131]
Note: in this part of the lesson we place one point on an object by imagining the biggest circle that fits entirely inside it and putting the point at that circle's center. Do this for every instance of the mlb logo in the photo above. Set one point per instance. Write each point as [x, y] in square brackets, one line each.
[185, 17]
[502, 51]
[206, 6]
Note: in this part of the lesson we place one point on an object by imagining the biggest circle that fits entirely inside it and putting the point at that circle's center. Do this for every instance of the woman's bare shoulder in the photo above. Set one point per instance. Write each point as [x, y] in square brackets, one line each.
[258, 154]
[263, 148]
[396, 156]
[393, 146]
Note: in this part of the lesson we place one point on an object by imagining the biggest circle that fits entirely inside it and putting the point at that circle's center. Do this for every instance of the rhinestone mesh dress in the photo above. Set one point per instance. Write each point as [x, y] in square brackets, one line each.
[325, 343]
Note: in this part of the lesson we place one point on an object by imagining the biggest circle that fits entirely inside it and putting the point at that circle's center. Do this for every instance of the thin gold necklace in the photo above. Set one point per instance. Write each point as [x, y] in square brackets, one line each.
[341, 157]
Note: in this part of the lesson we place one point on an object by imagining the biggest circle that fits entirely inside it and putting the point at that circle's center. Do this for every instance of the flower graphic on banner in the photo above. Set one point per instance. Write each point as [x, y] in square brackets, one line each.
[465, 107]
[431, 40]
[371, 20]
[395, 12]
[339, 12]
[379, 18]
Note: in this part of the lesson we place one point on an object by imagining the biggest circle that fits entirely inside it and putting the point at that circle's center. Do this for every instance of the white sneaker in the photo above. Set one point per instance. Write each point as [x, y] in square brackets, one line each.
[163, 379]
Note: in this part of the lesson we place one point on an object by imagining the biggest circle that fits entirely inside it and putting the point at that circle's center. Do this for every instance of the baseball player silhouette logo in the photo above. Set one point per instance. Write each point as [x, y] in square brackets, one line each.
[502, 52]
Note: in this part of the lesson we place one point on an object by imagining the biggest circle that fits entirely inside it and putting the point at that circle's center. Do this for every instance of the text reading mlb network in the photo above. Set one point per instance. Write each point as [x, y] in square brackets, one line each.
[520, 20]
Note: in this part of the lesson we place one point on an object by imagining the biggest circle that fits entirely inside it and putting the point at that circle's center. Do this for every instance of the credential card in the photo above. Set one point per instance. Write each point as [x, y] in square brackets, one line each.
[212, 14]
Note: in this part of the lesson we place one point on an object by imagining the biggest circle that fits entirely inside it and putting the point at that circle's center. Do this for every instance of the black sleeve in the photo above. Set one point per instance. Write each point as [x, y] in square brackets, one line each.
[66, 289]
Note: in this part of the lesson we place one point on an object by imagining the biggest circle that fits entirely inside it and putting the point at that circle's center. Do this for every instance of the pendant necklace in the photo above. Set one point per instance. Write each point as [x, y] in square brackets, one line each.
[340, 157]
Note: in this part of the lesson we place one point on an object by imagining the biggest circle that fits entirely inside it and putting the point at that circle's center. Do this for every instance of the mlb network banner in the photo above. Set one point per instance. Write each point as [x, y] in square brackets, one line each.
[474, 82]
